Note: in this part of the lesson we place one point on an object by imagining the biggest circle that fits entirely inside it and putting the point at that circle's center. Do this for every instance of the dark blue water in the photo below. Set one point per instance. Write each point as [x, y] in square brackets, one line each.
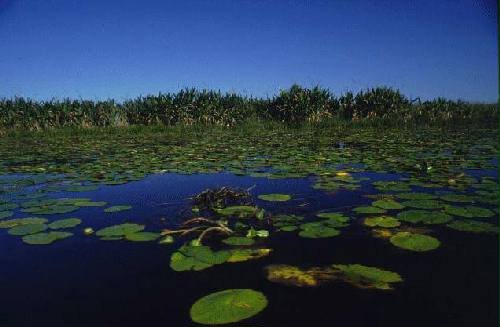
[82, 281]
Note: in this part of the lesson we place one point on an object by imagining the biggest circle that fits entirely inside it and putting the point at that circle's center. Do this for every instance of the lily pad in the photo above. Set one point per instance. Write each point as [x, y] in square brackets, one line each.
[120, 230]
[6, 214]
[142, 236]
[27, 229]
[65, 223]
[415, 242]
[458, 198]
[240, 211]
[51, 210]
[275, 197]
[469, 211]
[240, 255]
[368, 277]
[197, 258]
[368, 210]
[22, 221]
[423, 204]
[425, 217]
[382, 221]
[8, 206]
[117, 208]
[416, 196]
[473, 226]
[388, 204]
[45, 238]
[238, 240]
[228, 306]
[317, 230]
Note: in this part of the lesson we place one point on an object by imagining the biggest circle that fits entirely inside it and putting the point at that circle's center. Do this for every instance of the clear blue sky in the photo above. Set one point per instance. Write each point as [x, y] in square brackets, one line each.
[121, 49]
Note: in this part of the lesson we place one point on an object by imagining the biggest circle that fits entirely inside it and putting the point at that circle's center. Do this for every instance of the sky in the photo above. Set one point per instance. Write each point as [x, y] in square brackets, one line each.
[98, 49]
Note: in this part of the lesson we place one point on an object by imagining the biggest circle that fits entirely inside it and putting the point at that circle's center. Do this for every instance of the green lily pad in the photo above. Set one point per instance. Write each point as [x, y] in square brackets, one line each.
[65, 223]
[469, 211]
[415, 242]
[416, 196]
[6, 214]
[388, 204]
[458, 198]
[89, 204]
[382, 221]
[368, 277]
[368, 210]
[120, 230]
[27, 229]
[197, 258]
[240, 255]
[117, 208]
[238, 240]
[45, 238]
[228, 306]
[22, 221]
[473, 226]
[82, 188]
[240, 211]
[423, 204]
[8, 206]
[289, 228]
[142, 236]
[317, 230]
[51, 210]
[425, 217]
[275, 197]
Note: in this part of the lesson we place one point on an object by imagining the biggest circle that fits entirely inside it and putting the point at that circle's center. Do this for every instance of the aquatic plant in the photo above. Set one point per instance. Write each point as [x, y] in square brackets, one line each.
[473, 226]
[415, 242]
[45, 238]
[367, 277]
[424, 216]
[228, 306]
[382, 221]
[65, 223]
[274, 197]
[469, 211]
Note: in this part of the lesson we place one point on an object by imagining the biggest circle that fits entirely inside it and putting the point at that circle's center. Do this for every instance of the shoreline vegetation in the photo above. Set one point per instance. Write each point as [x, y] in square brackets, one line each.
[380, 106]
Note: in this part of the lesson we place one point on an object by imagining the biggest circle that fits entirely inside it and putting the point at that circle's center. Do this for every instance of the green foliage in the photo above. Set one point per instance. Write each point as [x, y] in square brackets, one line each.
[197, 258]
[120, 230]
[117, 208]
[228, 306]
[27, 229]
[388, 204]
[368, 277]
[45, 238]
[190, 106]
[425, 217]
[473, 226]
[274, 197]
[65, 223]
[469, 211]
[415, 242]
[382, 221]
[238, 240]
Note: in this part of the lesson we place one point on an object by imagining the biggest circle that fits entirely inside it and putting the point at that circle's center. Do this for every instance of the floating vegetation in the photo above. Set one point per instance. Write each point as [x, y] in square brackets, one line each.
[197, 258]
[238, 240]
[423, 204]
[220, 198]
[27, 229]
[458, 198]
[117, 208]
[240, 255]
[424, 217]
[228, 306]
[275, 197]
[6, 214]
[368, 277]
[416, 196]
[318, 229]
[120, 230]
[355, 274]
[142, 236]
[382, 221]
[65, 223]
[295, 276]
[368, 210]
[473, 226]
[469, 211]
[45, 238]
[415, 242]
[22, 221]
[388, 204]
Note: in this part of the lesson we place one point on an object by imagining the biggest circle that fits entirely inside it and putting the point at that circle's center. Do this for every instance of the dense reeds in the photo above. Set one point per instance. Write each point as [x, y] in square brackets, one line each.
[295, 105]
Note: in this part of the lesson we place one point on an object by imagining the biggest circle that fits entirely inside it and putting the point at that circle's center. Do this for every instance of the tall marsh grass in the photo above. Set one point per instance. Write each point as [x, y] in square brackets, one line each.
[194, 107]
